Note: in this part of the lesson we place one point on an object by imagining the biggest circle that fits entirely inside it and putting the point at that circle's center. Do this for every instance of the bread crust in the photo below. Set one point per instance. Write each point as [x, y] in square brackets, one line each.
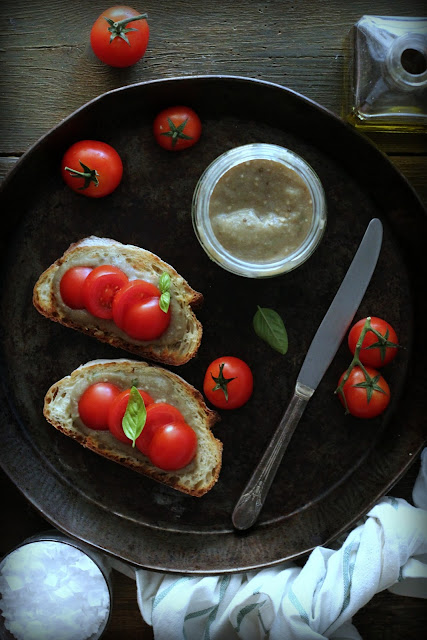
[173, 348]
[61, 411]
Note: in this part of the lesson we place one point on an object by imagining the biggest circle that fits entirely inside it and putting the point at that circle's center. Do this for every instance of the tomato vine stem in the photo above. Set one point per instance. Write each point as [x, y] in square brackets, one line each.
[356, 363]
[119, 28]
[176, 132]
[89, 175]
[221, 381]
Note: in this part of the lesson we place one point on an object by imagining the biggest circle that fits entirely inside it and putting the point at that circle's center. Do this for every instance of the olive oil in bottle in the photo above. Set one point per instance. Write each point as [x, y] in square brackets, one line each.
[386, 74]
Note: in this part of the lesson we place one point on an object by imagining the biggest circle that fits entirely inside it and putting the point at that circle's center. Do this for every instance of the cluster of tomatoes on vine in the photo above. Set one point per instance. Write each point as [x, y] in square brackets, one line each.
[362, 389]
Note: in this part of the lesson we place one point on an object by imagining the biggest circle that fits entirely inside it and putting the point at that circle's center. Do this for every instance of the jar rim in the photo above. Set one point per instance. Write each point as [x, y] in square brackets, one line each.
[206, 184]
[57, 537]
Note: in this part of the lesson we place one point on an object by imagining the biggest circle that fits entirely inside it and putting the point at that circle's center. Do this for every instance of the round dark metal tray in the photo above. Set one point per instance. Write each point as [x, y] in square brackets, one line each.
[336, 466]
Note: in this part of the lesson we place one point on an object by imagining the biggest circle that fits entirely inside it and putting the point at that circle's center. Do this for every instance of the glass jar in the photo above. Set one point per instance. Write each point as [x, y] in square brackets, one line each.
[250, 241]
[387, 74]
[53, 586]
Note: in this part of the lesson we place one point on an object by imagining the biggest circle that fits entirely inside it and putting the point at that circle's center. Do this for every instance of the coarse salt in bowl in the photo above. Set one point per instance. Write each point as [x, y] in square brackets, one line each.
[53, 587]
[259, 210]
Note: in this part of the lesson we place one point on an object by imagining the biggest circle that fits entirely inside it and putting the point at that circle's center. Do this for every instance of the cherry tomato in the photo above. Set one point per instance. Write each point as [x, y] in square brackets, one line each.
[99, 289]
[94, 404]
[177, 128]
[145, 320]
[119, 37]
[365, 397]
[92, 168]
[118, 409]
[71, 285]
[228, 383]
[377, 350]
[133, 292]
[173, 446]
[158, 414]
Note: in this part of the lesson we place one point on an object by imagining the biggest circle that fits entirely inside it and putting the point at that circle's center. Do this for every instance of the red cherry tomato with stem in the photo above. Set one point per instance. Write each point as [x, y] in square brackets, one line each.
[92, 168]
[99, 289]
[117, 411]
[173, 446]
[380, 344]
[177, 128]
[94, 404]
[119, 36]
[365, 394]
[228, 383]
[71, 286]
[158, 414]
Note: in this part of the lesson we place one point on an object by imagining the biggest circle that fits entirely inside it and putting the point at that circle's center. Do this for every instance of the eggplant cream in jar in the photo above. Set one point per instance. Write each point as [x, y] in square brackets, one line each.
[259, 210]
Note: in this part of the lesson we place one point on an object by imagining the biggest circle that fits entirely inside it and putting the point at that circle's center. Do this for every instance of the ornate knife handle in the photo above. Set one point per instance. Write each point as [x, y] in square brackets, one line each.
[253, 497]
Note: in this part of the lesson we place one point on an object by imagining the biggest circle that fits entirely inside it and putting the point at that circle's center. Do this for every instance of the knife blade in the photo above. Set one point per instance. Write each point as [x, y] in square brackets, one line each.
[320, 354]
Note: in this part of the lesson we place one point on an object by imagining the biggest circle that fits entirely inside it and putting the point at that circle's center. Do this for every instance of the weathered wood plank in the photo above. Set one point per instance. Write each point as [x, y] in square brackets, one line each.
[46, 56]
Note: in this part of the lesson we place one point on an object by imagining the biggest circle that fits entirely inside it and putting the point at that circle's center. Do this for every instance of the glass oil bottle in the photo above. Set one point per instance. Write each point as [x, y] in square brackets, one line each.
[386, 74]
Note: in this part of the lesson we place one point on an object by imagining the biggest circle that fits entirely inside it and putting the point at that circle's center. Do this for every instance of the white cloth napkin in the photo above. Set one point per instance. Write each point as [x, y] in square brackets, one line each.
[388, 550]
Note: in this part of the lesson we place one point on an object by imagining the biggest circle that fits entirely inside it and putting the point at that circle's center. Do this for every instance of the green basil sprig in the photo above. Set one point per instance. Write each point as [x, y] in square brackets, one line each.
[269, 326]
[135, 416]
[164, 286]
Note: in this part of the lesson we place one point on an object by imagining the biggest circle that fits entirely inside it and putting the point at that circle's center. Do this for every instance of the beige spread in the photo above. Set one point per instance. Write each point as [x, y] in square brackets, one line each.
[261, 211]
[174, 333]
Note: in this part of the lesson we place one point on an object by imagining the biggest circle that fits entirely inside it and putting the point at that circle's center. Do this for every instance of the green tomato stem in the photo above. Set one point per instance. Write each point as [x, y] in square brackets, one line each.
[355, 363]
[119, 28]
[221, 382]
[125, 21]
[89, 175]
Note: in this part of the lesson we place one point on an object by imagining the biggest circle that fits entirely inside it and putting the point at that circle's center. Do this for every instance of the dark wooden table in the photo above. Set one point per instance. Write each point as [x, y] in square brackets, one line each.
[49, 70]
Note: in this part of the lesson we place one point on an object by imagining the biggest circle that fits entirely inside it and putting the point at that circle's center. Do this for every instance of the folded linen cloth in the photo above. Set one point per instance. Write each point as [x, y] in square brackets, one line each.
[387, 550]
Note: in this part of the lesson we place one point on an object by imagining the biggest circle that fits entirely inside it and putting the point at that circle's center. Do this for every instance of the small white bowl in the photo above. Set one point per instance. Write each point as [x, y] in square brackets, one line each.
[258, 267]
[33, 570]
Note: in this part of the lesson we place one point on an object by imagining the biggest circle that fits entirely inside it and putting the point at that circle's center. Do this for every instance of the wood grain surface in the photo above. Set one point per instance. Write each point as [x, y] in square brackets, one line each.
[49, 71]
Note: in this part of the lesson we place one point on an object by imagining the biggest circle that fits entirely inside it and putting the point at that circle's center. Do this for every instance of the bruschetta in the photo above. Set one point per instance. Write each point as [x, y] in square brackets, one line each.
[62, 409]
[180, 331]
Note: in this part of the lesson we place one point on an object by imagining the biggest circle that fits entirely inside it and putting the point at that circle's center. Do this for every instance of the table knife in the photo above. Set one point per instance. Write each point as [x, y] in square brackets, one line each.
[320, 354]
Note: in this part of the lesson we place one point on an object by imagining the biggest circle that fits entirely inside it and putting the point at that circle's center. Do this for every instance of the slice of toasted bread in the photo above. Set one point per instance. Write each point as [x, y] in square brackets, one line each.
[61, 410]
[182, 338]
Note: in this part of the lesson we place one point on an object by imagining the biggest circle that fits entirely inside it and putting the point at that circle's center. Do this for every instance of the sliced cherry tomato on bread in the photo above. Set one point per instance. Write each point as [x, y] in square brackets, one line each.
[172, 446]
[117, 411]
[158, 414]
[145, 320]
[99, 289]
[71, 286]
[133, 292]
[95, 403]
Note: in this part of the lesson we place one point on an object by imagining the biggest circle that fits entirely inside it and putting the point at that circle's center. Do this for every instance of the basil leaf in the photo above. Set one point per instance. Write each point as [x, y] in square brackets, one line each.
[164, 301]
[269, 326]
[164, 282]
[164, 286]
[135, 415]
